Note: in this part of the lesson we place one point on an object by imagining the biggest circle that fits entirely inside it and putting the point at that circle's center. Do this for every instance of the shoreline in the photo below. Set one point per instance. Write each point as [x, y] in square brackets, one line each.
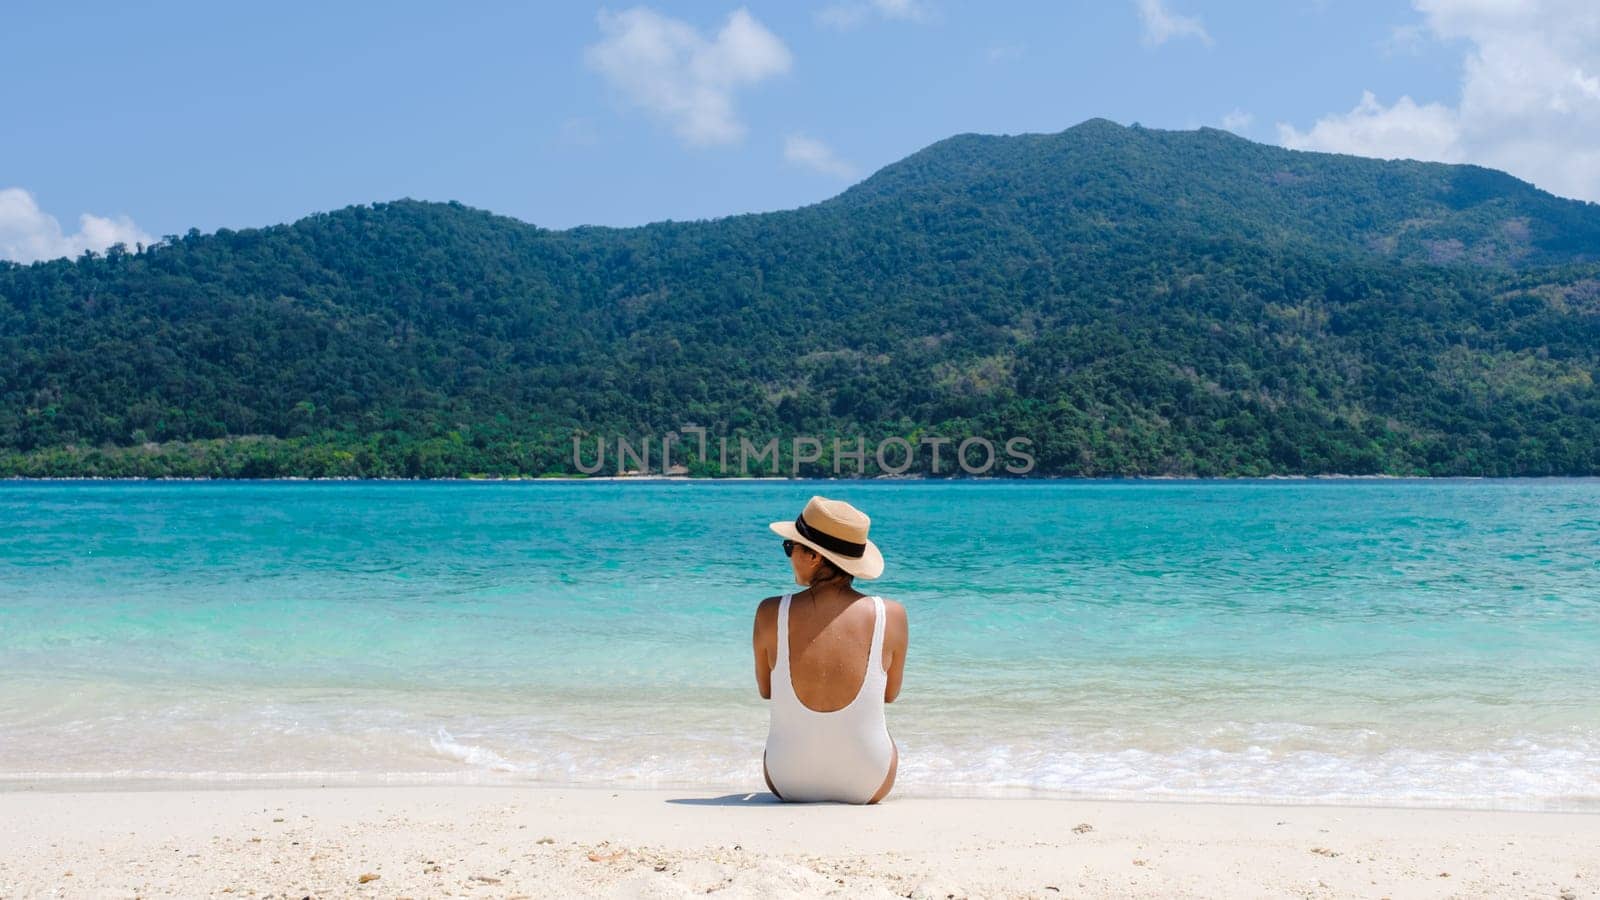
[544, 841]
[580, 479]
[45, 784]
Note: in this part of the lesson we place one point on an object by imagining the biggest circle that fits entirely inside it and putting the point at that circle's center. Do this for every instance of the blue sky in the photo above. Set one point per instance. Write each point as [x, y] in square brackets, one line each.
[121, 121]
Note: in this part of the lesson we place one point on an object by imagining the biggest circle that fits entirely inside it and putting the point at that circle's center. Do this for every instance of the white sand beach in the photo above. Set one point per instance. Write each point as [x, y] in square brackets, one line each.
[545, 842]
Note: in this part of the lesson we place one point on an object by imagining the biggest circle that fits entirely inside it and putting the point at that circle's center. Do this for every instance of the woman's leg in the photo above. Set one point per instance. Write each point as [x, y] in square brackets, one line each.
[888, 783]
[768, 776]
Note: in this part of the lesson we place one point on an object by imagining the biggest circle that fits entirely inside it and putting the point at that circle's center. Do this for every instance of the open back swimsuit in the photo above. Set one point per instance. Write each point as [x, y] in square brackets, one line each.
[843, 755]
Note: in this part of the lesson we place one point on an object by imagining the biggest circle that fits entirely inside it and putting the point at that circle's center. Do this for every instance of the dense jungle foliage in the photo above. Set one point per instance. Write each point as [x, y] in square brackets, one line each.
[1132, 301]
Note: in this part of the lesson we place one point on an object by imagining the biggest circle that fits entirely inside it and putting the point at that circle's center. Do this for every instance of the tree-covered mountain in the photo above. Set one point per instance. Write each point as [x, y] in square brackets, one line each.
[1133, 301]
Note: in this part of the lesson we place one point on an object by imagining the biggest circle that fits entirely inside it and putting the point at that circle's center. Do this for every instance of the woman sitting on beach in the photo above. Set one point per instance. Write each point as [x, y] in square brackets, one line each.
[829, 658]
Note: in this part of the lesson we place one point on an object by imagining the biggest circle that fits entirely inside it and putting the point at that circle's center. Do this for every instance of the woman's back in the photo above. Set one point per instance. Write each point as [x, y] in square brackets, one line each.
[829, 646]
[828, 739]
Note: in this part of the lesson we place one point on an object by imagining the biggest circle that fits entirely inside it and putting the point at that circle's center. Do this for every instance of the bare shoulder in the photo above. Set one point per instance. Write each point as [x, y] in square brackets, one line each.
[894, 614]
[767, 612]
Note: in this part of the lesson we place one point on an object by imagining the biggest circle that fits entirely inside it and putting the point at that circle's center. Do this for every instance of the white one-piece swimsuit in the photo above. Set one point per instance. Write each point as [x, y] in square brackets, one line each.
[843, 755]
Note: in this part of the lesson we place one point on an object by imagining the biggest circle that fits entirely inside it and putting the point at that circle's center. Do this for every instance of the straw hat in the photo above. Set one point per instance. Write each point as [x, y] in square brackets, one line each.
[838, 531]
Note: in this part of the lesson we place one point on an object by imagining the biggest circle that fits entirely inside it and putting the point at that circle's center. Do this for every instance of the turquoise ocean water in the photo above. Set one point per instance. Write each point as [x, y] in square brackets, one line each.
[1394, 642]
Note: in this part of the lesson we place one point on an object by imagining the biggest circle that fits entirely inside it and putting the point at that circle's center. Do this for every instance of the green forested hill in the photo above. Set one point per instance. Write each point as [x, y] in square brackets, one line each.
[1133, 301]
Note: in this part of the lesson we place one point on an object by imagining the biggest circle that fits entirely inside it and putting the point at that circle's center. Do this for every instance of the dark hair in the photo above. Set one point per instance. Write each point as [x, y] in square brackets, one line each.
[828, 571]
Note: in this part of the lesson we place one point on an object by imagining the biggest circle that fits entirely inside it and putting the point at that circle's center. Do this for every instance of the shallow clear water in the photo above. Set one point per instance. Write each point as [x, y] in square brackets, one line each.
[1366, 641]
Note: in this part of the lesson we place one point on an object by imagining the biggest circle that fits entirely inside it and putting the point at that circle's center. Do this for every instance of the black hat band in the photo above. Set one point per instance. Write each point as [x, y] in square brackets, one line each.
[828, 541]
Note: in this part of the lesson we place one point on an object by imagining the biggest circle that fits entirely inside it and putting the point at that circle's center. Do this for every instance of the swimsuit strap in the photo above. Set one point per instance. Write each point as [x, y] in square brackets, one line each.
[783, 635]
[879, 627]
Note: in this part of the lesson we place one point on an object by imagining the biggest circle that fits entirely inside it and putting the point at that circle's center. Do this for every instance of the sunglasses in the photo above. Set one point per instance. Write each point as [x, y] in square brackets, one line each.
[788, 547]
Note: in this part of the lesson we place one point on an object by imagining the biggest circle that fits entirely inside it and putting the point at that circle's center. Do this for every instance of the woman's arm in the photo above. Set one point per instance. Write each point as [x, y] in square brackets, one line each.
[764, 641]
[896, 638]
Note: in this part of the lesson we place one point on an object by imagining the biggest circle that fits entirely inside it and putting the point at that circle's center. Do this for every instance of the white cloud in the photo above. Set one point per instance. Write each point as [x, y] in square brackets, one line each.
[810, 153]
[27, 233]
[900, 9]
[1406, 130]
[667, 67]
[1162, 24]
[1237, 120]
[1529, 104]
[851, 14]
[1407, 39]
[1000, 53]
